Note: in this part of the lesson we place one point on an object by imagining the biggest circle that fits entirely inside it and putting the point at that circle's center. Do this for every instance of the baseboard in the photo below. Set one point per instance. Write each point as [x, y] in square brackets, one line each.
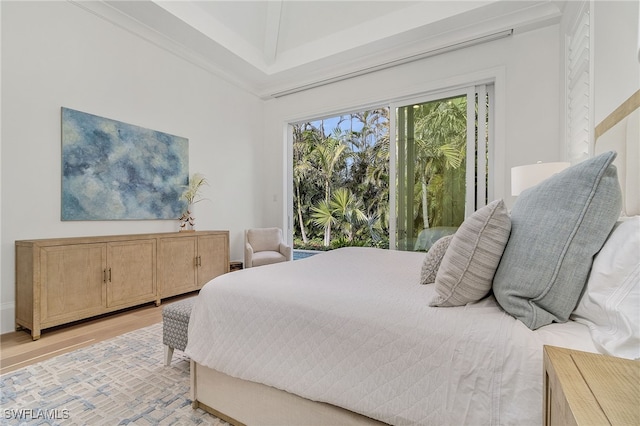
[7, 317]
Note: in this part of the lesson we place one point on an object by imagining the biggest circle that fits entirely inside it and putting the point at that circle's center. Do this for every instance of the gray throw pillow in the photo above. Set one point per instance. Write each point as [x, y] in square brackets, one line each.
[466, 272]
[557, 227]
[433, 259]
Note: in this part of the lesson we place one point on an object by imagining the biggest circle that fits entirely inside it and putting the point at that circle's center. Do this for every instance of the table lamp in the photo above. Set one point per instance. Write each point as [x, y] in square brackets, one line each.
[523, 177]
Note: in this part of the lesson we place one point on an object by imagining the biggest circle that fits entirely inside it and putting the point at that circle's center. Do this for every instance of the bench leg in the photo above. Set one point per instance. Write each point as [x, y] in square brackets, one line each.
[168, 354]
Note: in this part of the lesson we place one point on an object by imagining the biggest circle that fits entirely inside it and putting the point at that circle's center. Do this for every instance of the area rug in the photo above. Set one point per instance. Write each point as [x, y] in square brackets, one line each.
[121, 381]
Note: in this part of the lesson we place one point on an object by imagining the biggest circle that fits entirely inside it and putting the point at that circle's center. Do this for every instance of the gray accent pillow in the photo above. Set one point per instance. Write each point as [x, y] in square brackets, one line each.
[466, 272]
[433, 259]
[557, 227]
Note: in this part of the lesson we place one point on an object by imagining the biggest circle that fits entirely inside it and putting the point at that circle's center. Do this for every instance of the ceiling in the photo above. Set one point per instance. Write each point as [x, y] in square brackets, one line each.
[272, 48]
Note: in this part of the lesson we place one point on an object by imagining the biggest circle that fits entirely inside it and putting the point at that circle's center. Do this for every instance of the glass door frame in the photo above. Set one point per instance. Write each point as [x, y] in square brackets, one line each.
[470, 93]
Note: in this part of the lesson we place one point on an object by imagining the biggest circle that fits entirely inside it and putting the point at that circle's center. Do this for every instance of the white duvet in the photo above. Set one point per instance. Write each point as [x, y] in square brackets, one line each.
[353, 328]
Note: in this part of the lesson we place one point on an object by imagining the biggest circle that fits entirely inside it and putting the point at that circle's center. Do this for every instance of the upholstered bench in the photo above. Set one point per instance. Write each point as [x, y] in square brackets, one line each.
[175, 327]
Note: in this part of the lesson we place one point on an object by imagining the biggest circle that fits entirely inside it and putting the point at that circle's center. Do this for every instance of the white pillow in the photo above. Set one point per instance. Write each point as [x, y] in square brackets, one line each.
[433, 259]
[610, 305]
[467, 268]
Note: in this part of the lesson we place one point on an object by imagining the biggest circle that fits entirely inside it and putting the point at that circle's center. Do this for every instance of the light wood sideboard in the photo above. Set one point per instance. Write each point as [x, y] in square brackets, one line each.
[62, 280]
[186, 264]
[582, 388]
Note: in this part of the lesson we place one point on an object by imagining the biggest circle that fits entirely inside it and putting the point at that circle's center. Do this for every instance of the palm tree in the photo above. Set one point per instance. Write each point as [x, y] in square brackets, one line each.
[440, 131]
[354, 157]
[369, 176]
[348, 210]
[377, 175]
[302, 167]
[323, 217]
[344, 210]
[326, 156]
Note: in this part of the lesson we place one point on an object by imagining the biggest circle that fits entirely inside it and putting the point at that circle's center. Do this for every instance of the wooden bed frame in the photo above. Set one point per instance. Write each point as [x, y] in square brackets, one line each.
[242, 402]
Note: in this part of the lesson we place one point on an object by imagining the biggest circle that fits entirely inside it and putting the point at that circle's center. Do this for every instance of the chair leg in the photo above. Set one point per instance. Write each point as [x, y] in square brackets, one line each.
[168, 354]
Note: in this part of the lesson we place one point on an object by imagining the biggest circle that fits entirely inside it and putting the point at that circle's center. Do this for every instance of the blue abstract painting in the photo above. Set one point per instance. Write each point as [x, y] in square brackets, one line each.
[117, 171]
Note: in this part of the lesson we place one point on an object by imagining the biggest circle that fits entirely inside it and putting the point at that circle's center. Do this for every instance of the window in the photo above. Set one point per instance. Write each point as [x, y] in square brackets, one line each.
[341, 181]
[442, 165]
[349, 188]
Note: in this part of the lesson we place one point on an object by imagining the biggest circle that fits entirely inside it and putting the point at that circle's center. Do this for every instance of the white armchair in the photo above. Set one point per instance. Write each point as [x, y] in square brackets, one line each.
[264, 246]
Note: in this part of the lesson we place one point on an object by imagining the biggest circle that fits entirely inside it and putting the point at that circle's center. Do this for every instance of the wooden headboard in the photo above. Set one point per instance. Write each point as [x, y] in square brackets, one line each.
[620, 132]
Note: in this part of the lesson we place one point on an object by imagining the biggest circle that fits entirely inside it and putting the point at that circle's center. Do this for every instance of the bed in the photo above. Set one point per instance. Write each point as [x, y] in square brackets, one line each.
[352, 337]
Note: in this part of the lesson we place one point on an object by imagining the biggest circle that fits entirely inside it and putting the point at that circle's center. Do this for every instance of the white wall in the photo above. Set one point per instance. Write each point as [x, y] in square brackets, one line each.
[615, 49]
[57, 54]
[527, 103]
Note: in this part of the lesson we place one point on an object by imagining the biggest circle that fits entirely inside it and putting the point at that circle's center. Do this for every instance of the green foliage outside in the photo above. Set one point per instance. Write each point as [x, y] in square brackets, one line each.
[431, 167]
[341, 175]
[341, 181]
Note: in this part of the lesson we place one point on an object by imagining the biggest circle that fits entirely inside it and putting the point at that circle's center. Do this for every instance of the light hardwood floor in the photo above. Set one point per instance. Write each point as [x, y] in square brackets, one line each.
[18, 350]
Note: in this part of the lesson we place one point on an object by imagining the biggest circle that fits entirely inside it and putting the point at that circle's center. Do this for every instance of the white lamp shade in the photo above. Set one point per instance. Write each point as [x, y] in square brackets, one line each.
[523, 177]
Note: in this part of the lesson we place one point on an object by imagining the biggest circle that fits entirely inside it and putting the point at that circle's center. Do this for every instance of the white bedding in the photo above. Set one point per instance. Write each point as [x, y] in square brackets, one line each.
[352, 327]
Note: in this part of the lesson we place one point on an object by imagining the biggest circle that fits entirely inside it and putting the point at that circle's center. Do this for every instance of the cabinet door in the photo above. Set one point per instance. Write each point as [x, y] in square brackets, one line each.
[213, 257]
[72, 282]
[131, 272]
[177, 265]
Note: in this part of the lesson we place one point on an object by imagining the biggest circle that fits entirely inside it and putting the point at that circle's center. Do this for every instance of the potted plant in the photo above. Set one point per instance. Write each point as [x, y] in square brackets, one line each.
[192, 195]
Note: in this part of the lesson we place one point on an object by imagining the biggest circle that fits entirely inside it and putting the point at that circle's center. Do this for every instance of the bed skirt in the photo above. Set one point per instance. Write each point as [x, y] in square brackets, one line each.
[241, 402]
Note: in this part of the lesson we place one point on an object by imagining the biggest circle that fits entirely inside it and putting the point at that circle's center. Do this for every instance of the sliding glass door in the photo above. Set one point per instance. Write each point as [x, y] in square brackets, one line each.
[441, 165]
[398, 177]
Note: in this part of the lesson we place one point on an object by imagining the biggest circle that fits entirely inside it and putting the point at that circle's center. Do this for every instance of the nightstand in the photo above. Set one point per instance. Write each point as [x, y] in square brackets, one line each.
[582, 388]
